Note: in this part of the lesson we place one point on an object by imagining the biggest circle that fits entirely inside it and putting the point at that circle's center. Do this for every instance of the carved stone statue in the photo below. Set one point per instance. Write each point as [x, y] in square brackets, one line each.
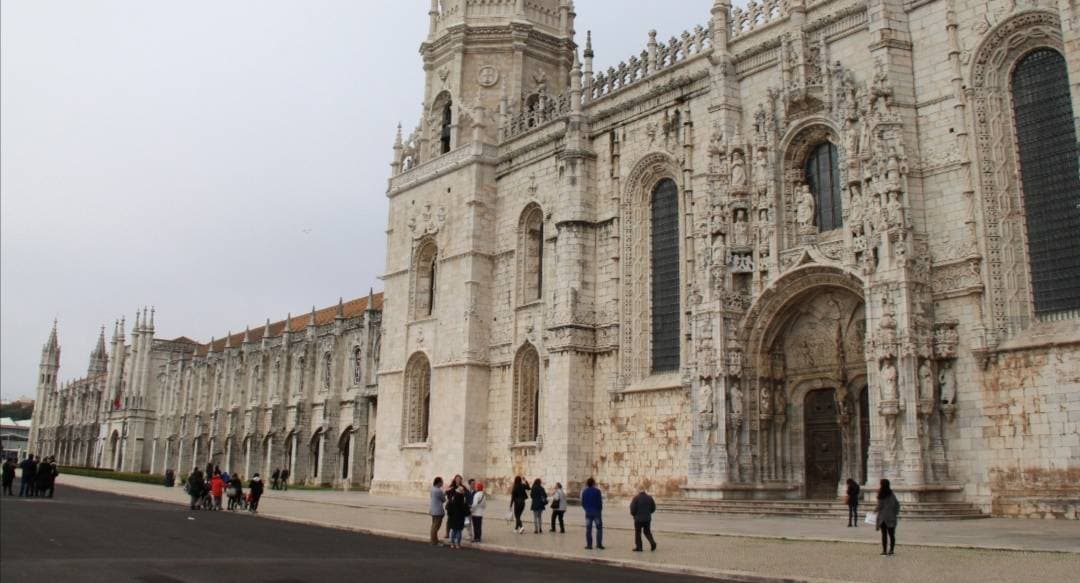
[851, 140]
[926, 382]
[719, 251]
[706, 404]
[892, 172]
[761, 173]
[741, 228]
[889, 390]
[858, 209]
[806, 207]
[947, 380]
[738, 172]
[895, 210]
[765, 399]
[736, 399]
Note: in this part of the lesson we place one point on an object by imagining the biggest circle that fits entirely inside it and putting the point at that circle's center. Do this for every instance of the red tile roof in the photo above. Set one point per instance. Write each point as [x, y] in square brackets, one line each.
[351, 309]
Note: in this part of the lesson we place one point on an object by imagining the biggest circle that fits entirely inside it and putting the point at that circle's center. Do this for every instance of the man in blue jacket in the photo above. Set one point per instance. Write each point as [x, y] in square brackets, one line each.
[593, 504]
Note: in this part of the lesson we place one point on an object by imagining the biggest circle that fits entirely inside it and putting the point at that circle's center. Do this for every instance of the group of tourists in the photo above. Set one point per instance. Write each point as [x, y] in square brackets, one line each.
[885, 514]
[206, 492]
[463, 504]
[279, 479]
[38, 477]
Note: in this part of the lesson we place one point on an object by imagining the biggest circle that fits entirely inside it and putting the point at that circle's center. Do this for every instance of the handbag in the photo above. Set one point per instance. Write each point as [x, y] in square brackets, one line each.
[871, 518]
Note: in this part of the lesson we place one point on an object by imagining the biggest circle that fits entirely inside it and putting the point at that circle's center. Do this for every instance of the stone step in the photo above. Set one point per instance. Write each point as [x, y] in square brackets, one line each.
[819, 509]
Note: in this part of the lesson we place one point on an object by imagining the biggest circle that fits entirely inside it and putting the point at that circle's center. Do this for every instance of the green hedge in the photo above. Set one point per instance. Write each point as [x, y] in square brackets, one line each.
[155, 479]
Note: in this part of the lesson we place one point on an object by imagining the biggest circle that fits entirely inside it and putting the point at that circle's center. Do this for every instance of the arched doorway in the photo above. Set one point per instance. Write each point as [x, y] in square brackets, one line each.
[344, 453]
[371, 461]
[823, 444]
[114, 450]
[316, 453]
[808, 362]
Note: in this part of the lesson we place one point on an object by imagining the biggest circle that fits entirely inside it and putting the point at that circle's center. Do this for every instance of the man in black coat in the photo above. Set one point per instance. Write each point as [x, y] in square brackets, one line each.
[9, 475]
[195, 486]
[29, 474]
[642, 508]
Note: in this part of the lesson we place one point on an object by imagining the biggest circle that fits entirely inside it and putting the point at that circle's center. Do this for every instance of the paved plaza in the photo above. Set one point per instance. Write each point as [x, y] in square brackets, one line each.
[718, 546]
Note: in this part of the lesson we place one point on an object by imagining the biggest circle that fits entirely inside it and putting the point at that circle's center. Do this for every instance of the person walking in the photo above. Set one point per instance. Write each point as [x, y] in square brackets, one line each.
[592, 501]
[539, 503]
[9, 475]
[217, 487]
[476, 511]
[274, 479]
[50, 478]
[457, 509]
[852, 500]
[518, 494]
[435, 508]
[29, 473]
[888, 512]
[642, 508]
[255, 489]
[236, 492]
[558, 508]
[41, 477]
[195, 487]
[284, 485]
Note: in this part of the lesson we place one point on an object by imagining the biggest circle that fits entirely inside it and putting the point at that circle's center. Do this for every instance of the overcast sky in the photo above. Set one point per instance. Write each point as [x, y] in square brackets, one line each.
[224, 161]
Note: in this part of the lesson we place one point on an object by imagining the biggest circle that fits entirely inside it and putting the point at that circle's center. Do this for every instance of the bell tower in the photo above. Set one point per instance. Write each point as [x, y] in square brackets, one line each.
[478, 54]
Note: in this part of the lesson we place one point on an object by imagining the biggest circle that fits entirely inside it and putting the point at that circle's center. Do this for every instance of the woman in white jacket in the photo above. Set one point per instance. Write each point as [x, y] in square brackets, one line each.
[479, 502]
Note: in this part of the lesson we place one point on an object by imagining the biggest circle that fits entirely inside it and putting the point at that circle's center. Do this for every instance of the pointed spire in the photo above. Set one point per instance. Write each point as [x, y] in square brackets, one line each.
[151, 318]
[398, 142]
[311, 321]
[340, 309]
[144, 318]
[52, 344]
[247, 335]
[100, 348]
[266, 329]
[288, 324]
[210, 347]
[228, 340]
[138, 324]
[370, 299]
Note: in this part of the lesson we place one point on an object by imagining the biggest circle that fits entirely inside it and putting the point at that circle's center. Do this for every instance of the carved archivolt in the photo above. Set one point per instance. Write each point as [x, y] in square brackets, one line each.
[1000, 197]
[636, 234]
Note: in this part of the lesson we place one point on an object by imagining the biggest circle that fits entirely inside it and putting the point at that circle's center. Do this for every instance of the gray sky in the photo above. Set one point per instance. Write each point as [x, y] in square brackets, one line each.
[224, 161]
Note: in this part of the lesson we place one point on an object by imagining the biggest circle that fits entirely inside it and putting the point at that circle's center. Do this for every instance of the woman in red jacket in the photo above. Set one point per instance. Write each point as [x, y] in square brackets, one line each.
[217, 487]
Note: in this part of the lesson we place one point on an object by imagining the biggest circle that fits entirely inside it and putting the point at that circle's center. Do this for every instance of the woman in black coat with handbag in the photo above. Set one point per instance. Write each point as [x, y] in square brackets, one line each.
[888, 511]
[456, 510]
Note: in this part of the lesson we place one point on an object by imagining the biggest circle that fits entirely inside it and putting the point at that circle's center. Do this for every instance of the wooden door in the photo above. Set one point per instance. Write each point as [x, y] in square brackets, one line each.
[823, 445]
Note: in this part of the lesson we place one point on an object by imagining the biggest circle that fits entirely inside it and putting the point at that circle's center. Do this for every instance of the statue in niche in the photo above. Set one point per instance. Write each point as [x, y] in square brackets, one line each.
[926, 382]
[741, 228]
[889, 391]
[895, 210]
[738, 172]
[947, 380]
[761, 173]
[705, 407]
[719, 251]
[851, 140]
[781, 402]
[765, 400]
[736, 399]
[806, 207]
[858, 213]
[763, 232]
[892, 172]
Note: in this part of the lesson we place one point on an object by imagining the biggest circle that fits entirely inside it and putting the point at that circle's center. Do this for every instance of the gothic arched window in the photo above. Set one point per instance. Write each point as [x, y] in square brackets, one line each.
[526, 405]
[532, 254]
[664, 220]
[1050, 178]
[823, 177]
[328, 367]
[416, 407]
[425, 283]
[358, 360]
[447, 120]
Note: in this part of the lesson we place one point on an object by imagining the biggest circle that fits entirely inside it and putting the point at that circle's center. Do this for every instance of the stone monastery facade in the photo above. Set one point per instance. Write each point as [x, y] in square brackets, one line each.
[297, 394]
[804, 241]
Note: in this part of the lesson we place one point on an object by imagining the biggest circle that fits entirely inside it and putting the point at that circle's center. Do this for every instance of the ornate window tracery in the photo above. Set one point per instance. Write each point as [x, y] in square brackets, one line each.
[526, 402]
[444, 133]
[1050, 178]
[416, 407]
[823, 178]
[531, 248]
[425, 283]
[358, 371]
[664, 223]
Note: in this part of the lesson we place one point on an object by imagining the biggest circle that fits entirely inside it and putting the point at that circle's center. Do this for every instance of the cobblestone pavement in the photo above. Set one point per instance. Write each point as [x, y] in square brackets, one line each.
[799, 549]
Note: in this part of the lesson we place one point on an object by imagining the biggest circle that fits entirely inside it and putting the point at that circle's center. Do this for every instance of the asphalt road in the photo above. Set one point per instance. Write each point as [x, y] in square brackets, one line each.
[92, 536]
